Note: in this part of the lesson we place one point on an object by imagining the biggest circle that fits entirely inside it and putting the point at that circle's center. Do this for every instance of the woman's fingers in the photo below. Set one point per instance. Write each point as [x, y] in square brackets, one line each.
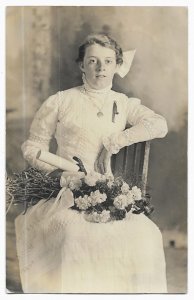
[102, 168]
[102, 161]
[106, 161]
[97, 163]
[96, 166]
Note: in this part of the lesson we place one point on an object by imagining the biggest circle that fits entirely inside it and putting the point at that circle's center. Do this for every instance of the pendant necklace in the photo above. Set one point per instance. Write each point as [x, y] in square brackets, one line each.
[99, 114]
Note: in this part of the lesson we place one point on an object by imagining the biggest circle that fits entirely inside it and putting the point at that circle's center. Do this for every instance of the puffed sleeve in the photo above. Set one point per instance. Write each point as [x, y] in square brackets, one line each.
[145, 125]
[41, 131]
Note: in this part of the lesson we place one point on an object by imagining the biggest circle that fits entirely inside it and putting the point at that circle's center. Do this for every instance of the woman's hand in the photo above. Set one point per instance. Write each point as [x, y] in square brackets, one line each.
[102, 161]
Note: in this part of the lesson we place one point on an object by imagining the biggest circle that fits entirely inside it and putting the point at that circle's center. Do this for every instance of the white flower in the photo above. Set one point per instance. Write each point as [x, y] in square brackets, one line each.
[109, 176]
[83, 202]
[63, 182]
[133, 208]
[120, 201]
[136, 193]
[130, 198]
[125, 188]
[91, 178]
[102, 177]
[105, 216]
[71, 180]
[109, 184]
[110, 180]
[102, 217]
[75, 184]
[97, 197]
[96, 217]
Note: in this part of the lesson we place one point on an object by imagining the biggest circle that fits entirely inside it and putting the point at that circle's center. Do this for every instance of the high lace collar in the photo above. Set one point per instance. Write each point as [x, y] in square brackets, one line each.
[93, 93]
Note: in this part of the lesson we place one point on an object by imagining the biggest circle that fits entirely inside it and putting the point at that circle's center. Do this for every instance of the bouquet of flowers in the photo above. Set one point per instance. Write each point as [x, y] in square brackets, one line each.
[101, 198]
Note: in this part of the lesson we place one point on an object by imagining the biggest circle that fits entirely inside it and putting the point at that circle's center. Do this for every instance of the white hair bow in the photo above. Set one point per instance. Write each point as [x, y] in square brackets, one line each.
[127, 61]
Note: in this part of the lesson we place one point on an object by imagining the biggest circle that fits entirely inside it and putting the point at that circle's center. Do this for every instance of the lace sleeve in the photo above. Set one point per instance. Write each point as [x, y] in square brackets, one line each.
[146, 125]
[41, 132]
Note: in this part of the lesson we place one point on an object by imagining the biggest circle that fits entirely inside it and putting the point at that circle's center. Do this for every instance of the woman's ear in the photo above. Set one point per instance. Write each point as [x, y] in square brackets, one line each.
[81, 66]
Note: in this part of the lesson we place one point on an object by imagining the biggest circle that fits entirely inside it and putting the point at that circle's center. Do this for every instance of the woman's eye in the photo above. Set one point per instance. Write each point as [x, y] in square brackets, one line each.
[92, 61]
[108, 61]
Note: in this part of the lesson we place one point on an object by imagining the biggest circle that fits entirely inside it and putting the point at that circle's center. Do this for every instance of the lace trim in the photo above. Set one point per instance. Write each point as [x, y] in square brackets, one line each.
[29, 157]
[112, 143]
[87, 88]
[38, 139]
[110, 146]
[129, 135]
[149, 128]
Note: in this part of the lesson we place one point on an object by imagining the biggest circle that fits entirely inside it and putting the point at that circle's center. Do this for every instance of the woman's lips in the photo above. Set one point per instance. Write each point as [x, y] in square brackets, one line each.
[100, 76]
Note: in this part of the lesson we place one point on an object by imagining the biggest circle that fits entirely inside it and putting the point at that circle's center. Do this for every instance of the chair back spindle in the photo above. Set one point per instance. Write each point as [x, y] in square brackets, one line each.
[132, 164]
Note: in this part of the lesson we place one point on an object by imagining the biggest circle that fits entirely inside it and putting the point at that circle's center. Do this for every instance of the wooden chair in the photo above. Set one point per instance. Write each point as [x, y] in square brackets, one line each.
[132, 164]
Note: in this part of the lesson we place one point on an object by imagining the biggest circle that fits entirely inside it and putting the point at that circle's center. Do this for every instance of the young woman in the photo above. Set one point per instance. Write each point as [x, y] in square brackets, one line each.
[58, 250]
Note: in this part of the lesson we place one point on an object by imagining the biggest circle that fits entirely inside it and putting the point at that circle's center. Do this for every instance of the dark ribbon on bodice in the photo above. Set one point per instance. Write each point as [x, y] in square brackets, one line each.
[114, 111]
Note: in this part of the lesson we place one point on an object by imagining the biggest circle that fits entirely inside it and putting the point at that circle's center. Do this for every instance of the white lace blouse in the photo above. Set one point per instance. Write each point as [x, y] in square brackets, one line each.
[71, 117]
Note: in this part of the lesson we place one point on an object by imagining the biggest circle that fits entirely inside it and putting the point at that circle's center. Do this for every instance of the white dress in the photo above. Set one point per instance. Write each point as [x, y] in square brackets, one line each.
[58, 250]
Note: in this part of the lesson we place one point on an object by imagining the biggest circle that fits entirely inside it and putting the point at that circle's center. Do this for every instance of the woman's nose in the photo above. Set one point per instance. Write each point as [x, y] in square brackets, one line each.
[100, 66]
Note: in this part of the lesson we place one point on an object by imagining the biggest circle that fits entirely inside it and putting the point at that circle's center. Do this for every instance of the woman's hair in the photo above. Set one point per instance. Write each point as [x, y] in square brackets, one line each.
[103, 40]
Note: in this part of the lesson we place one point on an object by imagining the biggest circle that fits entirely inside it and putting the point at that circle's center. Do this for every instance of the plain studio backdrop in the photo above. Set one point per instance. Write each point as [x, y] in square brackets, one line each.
[41, 48]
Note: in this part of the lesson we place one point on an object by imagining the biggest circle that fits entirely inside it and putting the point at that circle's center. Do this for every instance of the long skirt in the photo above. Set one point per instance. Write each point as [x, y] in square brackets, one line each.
[59, 251]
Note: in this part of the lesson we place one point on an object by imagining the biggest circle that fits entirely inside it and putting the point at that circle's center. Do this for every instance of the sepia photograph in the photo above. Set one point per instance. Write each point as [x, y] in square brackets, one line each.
[96, 149]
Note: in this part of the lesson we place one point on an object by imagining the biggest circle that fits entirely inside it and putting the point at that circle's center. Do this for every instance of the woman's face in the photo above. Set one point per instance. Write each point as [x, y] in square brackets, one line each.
[99, 66]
